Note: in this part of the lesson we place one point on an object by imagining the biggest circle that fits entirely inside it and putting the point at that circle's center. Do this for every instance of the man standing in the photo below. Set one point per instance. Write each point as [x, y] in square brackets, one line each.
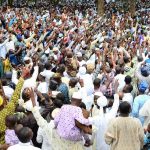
[69, 135]
[124, 132]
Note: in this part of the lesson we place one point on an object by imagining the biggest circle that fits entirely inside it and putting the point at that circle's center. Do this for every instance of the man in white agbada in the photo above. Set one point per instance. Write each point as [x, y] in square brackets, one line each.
[101, 122]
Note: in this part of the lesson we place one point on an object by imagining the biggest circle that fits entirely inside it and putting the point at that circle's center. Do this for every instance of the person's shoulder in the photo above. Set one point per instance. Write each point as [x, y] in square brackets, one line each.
[13, 147]
[136, 121]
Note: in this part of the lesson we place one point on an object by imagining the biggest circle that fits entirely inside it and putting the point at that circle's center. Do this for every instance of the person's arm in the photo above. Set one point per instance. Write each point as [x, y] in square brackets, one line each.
[4, 147]
[35, 74]
[10, 107]
[40, 120]
[114, 109]
[14, 76]
[144, 111]
[110, 134]
[135, 108]
[39, 137]
[80, 118]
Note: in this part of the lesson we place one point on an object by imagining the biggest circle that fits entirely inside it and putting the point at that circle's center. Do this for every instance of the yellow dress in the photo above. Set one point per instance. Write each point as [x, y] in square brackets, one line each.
[9, 109]
[7, 66]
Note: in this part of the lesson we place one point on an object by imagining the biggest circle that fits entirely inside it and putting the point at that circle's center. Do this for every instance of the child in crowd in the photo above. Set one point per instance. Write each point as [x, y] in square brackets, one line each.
[10, 136]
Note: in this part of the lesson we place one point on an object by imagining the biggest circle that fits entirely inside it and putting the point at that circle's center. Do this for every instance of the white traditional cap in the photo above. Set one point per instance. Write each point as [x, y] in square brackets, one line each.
[100, 94]
[47, 51]
[55, 112]
[77, 95]
[102, 101]
[55, 49]
[26, 58]
[79, 54]
[54, 93]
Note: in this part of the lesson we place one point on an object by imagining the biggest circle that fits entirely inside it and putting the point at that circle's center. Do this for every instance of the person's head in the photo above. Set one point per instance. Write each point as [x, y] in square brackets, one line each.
[143, 86]
[53, 85]
[118, 69]
[48, 66]
[26, 94]
[79, 56]
[140, 58]
[58, 103]
[61, 69]
[96, 83]
[76, 99]
[73, 82]
[24, 135]
[11, 121]
[82, 105]
[124, 108]
[90, 68]
[128, 80]
[60, 96]
[126, 60]
[57, 77]
[96, 96]
[128, 88]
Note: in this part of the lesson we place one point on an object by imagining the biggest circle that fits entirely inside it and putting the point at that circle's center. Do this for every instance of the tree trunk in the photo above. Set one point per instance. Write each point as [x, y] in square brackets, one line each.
[100, 7]
[132, 5]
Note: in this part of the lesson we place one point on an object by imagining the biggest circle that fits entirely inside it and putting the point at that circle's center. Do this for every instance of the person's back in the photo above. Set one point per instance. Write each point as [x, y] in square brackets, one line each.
[22, 146]
[24, 135]
[126, 132]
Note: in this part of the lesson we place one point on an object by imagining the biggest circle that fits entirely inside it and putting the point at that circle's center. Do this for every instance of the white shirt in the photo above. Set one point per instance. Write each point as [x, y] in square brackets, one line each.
[8, 91]
[23, 146]
[48, 74]
[43, 87]
[102, 121]
[42, 138]
[120, 78]
[31, 82]
[10, 45]
[128, 98]
[3, 50]
[81, 63]
[145, 112]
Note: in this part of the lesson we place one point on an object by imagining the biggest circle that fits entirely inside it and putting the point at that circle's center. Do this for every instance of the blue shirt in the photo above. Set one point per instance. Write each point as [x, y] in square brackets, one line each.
[137, 105]
[147, 61]
[64, 90]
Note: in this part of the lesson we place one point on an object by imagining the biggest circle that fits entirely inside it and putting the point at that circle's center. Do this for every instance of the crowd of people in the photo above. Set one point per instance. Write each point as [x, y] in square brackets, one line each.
[73, 80]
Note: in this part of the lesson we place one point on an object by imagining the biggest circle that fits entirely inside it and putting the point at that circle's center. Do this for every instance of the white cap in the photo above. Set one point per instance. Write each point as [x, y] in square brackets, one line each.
[79, 54]
[102, 101]
[77, 95]
[47, 51]
[98, 94]
[55, 112]
[55, 49]
[54, 93]
[26, 58]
